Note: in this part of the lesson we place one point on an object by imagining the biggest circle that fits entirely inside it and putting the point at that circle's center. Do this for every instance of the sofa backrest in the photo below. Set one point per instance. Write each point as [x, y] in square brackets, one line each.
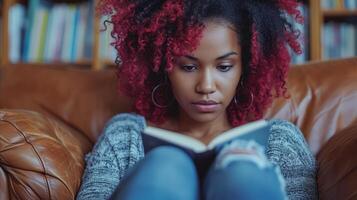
[323, 97]
[83, 99]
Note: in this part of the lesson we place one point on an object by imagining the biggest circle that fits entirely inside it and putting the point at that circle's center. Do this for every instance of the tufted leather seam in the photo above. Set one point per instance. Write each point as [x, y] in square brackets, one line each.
[59, 143]
[10, 183]
[34, 149]
[6, 165]
[16, 195]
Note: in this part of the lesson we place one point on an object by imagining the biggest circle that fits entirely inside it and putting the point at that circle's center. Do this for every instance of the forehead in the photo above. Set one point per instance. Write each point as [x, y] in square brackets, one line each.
[218, 38]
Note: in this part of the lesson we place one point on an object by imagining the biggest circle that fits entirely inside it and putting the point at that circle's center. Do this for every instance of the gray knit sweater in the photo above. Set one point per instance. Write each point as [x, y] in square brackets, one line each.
[120, 147]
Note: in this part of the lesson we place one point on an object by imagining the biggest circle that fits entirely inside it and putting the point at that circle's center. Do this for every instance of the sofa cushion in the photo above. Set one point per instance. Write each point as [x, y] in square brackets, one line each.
[83, 99]
[337, 173]
[40, 157]
[322, 101]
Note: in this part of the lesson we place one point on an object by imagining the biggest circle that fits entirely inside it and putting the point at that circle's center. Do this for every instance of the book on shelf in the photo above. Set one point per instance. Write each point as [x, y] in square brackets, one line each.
[201, 153]
[16, 29]
[0, 29]
[338, 4]
[339, 40]
[69, 29]
[52, 31]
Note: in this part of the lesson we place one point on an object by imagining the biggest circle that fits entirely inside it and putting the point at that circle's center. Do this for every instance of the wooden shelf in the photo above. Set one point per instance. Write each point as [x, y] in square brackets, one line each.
[82, 64]
[339, 13]
[108, 62]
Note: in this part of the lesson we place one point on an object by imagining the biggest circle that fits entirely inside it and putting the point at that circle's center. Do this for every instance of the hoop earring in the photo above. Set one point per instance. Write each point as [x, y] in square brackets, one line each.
[250, 102]
[153, 97]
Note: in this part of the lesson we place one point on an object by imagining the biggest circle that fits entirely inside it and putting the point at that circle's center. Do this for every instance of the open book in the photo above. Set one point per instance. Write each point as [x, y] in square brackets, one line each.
[154, 137]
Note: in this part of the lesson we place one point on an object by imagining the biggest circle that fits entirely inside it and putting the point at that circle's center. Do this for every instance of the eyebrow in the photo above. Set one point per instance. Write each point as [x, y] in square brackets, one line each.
[219, 58]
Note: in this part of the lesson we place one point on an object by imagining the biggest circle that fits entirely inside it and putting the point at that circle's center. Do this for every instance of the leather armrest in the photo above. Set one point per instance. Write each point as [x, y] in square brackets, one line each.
[40, 157]
[337, 160]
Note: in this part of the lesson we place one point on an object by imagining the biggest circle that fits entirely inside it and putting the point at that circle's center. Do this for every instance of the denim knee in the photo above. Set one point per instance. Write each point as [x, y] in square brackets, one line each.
[244, 175]
[175, 156]
[165, 173]
[175, 165]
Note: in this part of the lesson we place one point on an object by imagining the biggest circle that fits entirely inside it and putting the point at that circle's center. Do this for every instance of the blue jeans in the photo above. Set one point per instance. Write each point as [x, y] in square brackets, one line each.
[175, 178]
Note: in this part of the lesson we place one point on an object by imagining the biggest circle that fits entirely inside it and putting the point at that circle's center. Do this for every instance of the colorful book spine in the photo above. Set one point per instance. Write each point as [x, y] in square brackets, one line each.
[74, 40]
[339, 40]
[16, 26]
[32, 7]
[42, 35]
[339, 4]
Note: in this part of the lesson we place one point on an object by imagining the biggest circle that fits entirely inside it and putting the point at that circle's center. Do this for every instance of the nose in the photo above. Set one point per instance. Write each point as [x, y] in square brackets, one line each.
[206, 83]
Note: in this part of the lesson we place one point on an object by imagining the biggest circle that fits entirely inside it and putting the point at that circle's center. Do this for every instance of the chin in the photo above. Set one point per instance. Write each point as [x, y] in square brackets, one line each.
[204, 117]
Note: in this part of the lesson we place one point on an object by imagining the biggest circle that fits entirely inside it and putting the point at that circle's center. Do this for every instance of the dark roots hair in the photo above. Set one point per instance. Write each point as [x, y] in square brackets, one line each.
[149, 34]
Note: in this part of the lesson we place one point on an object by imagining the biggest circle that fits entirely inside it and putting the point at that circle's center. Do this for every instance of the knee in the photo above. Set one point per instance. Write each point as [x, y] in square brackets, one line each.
[250, 173]
[174, 166]
[169, 156]
[238, 178]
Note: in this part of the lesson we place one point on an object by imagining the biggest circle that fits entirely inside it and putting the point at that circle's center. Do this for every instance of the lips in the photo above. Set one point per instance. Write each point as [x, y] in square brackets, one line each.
[206, 106]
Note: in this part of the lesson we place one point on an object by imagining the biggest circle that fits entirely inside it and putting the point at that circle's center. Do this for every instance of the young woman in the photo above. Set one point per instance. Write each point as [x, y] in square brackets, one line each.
[200, 68]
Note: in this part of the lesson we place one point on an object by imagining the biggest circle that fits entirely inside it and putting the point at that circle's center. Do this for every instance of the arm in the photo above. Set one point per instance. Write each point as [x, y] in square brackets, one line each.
[117, 150]
[288, 149]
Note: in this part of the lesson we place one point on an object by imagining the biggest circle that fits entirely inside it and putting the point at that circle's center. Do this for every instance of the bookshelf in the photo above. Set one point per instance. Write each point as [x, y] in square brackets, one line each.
[339, 13]
[318, 16]
[5, 5]
[327, 12]
[94, 61]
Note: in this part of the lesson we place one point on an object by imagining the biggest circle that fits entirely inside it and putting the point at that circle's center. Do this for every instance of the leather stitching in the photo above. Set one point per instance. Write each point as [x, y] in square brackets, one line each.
[36, 152]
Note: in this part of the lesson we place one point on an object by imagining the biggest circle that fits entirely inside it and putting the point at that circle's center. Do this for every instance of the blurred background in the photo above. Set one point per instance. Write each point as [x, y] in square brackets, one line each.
[44, 32]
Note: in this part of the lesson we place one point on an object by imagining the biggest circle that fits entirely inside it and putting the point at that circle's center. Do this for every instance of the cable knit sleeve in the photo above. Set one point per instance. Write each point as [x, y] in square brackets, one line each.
[288, 149]
[117, 149]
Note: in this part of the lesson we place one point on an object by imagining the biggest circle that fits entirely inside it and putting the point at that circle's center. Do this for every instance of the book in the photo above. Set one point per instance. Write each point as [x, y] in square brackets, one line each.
[29, 33]
[201, 153]
[16, 26]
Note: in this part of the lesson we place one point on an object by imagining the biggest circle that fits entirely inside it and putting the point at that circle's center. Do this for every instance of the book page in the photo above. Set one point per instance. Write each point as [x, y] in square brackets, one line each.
[176, 138]
[237, 132]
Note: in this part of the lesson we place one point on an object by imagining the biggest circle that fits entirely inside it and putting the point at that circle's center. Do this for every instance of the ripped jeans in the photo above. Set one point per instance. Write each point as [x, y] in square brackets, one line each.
[240, 172]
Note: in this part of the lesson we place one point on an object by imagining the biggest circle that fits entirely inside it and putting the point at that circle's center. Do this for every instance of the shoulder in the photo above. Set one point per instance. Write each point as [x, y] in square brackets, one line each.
[285, 130]
[121, 130]
[287, 144]
[120, 134]
[123, 123]
[128, 120]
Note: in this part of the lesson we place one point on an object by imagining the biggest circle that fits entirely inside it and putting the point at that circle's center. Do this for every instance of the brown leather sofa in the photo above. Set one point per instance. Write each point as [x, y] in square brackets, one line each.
[51, 116]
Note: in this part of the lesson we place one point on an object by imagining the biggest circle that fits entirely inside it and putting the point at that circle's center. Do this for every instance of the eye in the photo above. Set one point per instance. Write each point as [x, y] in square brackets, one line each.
[189, 68]
[224, 68]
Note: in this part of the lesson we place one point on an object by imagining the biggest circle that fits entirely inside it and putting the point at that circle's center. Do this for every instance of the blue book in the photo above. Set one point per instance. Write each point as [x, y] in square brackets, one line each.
[88, 40]
[16, 23]
[32, 8]
[74, 34]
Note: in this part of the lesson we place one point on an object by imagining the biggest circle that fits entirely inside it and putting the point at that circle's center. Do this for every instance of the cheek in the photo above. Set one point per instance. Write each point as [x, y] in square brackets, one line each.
[229, 85]
[180, 86]
[230, 88]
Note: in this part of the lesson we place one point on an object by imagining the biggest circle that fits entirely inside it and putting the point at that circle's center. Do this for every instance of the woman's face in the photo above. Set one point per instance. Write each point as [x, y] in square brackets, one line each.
[204, 82]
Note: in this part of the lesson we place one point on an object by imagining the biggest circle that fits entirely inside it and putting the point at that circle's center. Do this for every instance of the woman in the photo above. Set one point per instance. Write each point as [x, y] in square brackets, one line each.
[200, 68]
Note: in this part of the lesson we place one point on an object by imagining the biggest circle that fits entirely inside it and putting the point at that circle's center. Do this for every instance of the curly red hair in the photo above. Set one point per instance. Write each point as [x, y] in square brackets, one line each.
[150, 34]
